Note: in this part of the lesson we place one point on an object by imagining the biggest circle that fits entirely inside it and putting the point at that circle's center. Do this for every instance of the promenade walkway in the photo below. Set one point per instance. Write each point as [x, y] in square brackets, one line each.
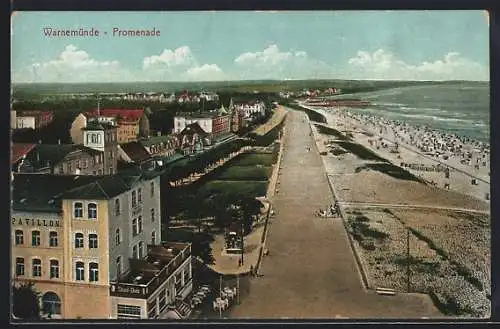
[311, 271]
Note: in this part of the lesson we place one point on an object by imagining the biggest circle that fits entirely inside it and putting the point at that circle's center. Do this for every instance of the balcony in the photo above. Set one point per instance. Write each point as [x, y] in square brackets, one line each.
[147, 274]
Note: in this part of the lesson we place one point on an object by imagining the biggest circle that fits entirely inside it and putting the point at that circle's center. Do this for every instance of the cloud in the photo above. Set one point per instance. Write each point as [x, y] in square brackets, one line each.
[181, 56]
[271, 63]
[384, 65]
[205, 72]
[72, 65]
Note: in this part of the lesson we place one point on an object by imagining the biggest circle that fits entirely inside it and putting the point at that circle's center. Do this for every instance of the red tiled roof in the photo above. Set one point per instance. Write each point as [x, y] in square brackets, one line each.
[126, 115]
[135, 151]
[19, 150]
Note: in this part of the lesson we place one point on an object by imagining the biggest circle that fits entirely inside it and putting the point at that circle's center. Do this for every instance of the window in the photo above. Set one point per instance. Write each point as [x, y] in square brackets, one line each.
[111, 170]
[135, 229]
[139, 195]
[134, 199]
[94, 138]
[78, 210]
[153, 238]
[80, 271]
[79, 240]
[118, 266]
[134, 252]
[35, 238]
[139, 224]
[93, 272]
[37, 267]
[70, 167]
[92, 211]
[117, 207]
[128, 312]
[54, 269]
[77, 164]
[92, 241]
[19, 237]
[85, 163]
[53, 239]
[118, 237]
[152, 214]
[141, 249]
[51, 303]
[19, 266]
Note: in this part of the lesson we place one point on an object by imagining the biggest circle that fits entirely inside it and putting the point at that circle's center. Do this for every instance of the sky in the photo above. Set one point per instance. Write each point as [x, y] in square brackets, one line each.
[251, 45]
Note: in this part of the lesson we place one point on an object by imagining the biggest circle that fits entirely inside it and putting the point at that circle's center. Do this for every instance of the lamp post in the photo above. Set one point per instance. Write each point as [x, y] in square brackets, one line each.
[242, 245]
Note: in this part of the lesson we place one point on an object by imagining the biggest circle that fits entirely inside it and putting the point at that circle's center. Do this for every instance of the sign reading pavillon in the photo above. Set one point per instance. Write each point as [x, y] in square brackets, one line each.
[35, 222]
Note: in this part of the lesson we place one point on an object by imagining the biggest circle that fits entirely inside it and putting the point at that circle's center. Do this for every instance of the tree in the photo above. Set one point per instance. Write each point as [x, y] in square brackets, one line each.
[201, 248]
[250, 208]
[25, 303]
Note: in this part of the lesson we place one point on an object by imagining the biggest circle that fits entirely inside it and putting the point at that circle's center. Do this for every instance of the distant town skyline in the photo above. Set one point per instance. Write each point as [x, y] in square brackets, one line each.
[217, 46]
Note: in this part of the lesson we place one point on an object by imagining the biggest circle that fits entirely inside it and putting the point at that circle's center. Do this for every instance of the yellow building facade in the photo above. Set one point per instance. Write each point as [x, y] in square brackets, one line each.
[68, 233]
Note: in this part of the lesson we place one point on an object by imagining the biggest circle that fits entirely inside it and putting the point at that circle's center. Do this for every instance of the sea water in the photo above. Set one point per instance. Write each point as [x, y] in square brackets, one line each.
[459, 108]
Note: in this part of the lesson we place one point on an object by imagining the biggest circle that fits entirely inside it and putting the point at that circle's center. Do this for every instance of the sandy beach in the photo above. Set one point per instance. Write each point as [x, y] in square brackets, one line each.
[382, 204]
[381, 137]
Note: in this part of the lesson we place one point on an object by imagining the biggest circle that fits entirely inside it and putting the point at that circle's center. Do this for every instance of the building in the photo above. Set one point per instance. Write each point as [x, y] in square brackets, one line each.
[165, 145]
[96, 238]
[133, 152]
[18, 154]
[65, 159]
[131, 123]
[33, 119]
[215, 123]
[103, 137]
[193, 139]
[249, 108]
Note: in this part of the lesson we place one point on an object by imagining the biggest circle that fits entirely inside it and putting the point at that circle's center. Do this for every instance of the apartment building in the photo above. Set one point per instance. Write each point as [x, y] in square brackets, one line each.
[213, 123]
[131, 124]
[96, 238]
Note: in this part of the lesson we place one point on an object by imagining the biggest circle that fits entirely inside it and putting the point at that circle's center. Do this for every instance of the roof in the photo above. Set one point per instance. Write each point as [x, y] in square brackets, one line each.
[124, 115]
[92, 125]
[193, 128]
[18, 150]
[199, 115]
[34, 192]
[33, 113]
[135, 151]
[156, 139]
[54, 153]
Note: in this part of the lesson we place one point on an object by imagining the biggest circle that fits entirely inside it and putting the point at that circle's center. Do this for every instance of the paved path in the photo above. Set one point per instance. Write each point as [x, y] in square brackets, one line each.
[311, 271]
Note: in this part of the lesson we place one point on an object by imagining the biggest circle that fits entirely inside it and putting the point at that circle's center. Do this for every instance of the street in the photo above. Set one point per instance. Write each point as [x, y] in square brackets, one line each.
[311, 271]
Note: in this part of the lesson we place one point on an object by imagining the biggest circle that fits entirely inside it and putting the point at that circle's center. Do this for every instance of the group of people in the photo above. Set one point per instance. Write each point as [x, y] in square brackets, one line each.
[466, 150]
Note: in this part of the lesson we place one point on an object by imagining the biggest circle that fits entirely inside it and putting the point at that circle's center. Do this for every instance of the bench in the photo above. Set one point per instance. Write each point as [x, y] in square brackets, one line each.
[385, 291]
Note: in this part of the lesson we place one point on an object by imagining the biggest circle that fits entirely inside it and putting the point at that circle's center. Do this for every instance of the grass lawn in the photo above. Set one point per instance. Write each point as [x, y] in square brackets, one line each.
[331, 132]
[254, 159]
[235, 173]
[249, 188]
[360, 151]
